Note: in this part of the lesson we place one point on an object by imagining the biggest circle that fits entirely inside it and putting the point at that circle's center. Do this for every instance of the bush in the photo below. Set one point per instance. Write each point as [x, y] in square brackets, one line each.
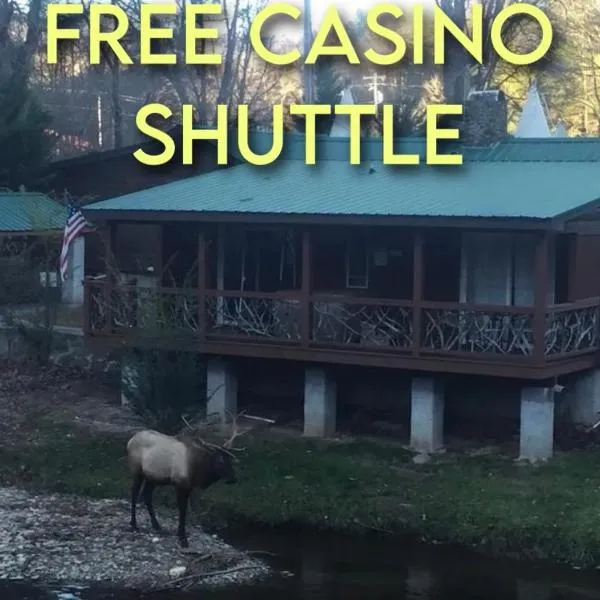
[163, 387]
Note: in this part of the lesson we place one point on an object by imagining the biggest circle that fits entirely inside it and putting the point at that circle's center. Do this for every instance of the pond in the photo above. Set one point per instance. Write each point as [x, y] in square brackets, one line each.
[323, 567]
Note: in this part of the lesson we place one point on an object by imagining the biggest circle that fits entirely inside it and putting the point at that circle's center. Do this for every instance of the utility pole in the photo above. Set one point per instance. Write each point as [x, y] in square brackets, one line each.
[308, 73]
[376, 79]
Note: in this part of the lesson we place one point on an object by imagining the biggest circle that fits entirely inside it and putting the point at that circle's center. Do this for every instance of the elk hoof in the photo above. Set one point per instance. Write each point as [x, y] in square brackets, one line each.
[183, 542]
[133, 528]
[157, 527]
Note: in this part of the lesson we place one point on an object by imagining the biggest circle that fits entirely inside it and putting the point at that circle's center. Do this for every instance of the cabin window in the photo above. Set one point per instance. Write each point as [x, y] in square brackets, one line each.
[357, 265]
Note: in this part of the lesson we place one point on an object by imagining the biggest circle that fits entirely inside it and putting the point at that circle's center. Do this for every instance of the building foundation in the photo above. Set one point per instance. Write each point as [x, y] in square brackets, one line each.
[537, 424]
[320, 408]
[427, 415]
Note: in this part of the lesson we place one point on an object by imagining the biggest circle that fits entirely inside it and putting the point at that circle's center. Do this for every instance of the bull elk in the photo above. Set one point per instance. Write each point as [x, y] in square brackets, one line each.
[156, 459]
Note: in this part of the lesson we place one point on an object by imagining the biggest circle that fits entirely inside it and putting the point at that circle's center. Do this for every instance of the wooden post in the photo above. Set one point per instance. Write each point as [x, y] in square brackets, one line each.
[109, 245]
[305, 294]
[86, 308]
[541, 297]
[201, 285]
[417, 290]
[220, 272]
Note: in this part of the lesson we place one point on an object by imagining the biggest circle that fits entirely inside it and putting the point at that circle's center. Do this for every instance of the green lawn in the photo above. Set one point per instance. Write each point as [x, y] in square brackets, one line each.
[550, 511]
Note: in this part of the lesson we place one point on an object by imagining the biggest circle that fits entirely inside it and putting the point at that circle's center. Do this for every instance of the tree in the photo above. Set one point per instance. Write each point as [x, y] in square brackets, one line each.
[22, 130]
[459, 64]
[329, 87]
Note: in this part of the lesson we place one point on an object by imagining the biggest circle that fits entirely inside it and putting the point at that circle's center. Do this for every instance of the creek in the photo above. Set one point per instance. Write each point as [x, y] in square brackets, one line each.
[326, 567]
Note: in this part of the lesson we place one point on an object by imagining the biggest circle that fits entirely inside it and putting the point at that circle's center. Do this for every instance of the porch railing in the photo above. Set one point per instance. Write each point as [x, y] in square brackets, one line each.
[342, 322]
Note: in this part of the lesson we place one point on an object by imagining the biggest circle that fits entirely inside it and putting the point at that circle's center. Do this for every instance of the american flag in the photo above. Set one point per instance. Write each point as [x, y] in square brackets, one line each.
[75, 225]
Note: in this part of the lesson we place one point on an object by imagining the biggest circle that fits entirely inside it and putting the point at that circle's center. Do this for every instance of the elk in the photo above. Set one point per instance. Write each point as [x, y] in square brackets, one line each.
[156, 459]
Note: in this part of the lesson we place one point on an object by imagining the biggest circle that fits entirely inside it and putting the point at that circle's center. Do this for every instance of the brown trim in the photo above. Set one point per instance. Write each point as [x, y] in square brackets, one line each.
[444, 364]
[491, 308]
[201, 284]
[305, 303]
[417, 290]
[583, 228]
[518, 223]
[366, 301]
[109, 247]
[573, 250]
[286, 295]
[577, 305]
[540, 298]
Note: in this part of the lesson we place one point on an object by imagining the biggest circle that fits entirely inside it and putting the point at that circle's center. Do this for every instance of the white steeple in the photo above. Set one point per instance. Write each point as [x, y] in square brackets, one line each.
[341, 123]
[533, 122]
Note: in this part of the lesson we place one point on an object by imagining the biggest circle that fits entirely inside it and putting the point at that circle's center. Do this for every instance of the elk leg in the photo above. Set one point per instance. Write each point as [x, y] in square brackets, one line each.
[182, 501]
[138, 480]
[148, 490]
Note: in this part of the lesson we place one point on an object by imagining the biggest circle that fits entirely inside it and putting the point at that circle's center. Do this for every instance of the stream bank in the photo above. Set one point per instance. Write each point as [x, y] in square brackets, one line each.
[61, 433]
[54, 537]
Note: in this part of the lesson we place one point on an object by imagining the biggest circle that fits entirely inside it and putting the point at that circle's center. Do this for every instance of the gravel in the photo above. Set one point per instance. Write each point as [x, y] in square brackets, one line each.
[59, 538]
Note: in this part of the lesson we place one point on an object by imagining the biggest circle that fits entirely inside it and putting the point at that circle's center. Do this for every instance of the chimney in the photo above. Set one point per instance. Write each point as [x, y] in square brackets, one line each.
[485, 119]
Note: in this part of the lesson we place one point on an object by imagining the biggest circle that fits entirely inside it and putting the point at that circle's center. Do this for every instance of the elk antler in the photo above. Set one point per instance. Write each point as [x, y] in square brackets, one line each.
[235, 432]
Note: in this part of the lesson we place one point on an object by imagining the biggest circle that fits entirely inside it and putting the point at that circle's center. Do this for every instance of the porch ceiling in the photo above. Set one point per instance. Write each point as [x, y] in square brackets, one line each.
[533, 184]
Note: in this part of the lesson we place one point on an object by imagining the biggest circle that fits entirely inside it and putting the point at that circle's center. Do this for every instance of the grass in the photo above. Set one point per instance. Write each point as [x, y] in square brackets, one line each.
[550, 511]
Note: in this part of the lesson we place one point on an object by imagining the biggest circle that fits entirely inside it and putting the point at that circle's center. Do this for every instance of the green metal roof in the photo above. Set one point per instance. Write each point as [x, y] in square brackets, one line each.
[28, 211]
[539, 150]
[505, 181]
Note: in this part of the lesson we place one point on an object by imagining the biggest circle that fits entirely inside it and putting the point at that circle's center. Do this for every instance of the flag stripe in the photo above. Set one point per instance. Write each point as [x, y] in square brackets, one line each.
[76, 223]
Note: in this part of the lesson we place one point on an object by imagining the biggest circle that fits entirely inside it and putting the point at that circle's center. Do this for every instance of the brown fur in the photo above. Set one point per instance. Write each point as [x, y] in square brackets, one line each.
[156, 459]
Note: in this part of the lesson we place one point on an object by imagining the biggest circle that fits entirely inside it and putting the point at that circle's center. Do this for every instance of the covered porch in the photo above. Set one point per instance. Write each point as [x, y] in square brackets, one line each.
[508, 303]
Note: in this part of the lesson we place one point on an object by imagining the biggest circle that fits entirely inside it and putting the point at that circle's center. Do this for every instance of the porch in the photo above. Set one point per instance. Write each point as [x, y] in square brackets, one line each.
[473, 302]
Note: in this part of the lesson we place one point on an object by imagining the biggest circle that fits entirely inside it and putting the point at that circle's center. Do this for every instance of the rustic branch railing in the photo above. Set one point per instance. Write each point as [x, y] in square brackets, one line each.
[573, 329]
[273, 317]
[339, 321]
[465, 329]
[368, 323]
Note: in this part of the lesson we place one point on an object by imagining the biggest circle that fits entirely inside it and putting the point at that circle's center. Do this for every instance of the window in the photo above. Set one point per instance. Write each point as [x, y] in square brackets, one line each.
[357, 265]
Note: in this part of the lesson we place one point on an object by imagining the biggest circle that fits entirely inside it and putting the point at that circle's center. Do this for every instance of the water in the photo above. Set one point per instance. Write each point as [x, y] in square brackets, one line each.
[337, 568]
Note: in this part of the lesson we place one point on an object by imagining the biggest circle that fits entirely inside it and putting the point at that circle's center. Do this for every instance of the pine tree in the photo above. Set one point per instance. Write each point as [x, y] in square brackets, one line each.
[26, 146]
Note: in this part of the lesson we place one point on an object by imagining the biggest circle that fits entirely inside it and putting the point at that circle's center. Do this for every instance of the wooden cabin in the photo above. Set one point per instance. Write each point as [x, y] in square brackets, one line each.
[489, 268]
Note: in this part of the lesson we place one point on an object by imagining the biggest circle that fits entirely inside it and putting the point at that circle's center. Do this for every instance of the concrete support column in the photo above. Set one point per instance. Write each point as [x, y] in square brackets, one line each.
[320, 408]
[221, 389]
[427, 415]
[537, 423]
[584, 398]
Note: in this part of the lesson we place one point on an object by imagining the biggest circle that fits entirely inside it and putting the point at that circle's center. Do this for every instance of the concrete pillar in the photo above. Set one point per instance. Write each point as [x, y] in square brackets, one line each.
[427, 415]
[130, 372]
[537, 423]
[584, 398]
[320, 408]
[72, 287]
[221, 389]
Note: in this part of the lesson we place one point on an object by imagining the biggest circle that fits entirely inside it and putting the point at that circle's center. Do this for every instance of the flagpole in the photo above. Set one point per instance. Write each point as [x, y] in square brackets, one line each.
[308, 69]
